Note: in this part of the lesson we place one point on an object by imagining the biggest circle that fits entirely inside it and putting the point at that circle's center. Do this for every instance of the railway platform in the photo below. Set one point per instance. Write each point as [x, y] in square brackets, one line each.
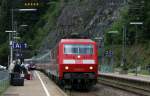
[136, 84]
[144, 78]
[40, 85]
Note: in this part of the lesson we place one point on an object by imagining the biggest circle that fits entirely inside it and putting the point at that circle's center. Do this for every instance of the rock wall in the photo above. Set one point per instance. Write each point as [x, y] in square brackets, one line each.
[88, 17]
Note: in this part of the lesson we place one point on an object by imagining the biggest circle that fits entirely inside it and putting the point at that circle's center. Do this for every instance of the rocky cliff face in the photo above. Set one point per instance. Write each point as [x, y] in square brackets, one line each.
[88, 17]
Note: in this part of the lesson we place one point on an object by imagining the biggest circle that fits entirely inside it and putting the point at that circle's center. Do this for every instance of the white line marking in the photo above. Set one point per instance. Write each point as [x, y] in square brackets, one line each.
[44, 87]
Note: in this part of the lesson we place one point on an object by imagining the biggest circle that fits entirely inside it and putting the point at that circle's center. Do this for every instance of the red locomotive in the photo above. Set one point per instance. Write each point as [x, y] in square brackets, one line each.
[73, 62]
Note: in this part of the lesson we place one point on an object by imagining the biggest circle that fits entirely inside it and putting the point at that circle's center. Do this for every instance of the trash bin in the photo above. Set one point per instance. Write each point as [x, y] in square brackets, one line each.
[16, 80]
[13, 75]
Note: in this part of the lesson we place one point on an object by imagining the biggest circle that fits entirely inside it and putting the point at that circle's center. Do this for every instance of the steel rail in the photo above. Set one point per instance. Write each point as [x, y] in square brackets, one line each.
[132, 85]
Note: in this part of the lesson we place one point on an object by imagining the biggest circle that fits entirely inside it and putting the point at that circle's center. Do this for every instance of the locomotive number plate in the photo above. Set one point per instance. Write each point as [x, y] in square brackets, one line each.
[79, 69]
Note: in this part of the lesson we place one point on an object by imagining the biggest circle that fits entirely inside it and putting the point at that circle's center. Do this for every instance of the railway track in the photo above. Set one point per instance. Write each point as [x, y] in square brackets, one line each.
[141, 87]
[75, 93]
[109, 85]
[100, 90]
[91, 92]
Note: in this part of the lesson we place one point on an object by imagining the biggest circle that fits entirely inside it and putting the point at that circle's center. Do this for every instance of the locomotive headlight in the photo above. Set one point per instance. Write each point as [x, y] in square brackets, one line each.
[91, 68]
[79, 56]
[66, 67]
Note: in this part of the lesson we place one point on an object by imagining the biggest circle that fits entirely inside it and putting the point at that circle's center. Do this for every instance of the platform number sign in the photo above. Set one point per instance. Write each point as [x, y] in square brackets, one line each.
[19, 45]
[109, 53]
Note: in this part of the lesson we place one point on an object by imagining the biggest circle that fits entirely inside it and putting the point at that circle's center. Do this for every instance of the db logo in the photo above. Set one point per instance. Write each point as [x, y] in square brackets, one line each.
[78, 62]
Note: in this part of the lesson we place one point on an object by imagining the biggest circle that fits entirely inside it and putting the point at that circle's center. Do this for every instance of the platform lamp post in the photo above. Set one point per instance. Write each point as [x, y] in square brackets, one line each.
[100, 41]
[10, 45]
[123, 60]
[20, 10]
[112, 59]
[136, 41]
[12, 25]
[24, 25]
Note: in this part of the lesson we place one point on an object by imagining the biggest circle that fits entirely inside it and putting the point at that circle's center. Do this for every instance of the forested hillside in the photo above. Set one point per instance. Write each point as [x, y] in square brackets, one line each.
[137, 36]
[4, 24]
[20, 18]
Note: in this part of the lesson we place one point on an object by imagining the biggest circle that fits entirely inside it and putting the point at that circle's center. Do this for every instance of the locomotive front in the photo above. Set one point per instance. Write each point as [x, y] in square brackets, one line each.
[78, 64]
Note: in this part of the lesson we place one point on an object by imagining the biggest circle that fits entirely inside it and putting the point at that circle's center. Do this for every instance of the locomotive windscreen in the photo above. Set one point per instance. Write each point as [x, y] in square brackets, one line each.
[78, 49]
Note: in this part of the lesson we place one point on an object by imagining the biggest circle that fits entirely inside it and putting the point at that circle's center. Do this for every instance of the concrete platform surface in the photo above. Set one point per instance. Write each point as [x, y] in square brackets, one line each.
[143, 78]
[40, 85]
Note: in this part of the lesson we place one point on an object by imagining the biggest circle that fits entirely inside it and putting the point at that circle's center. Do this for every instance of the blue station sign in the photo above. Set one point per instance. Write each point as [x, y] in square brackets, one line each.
[19, 45]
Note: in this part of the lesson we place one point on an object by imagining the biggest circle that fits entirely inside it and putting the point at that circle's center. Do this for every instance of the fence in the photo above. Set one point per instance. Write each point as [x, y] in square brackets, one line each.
[4, 81]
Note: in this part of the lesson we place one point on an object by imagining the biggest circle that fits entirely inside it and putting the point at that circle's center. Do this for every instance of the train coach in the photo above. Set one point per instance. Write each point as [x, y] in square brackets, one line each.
[72, 62]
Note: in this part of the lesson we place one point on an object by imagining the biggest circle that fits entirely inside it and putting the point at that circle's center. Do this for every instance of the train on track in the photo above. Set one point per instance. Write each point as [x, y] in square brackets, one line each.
[73, 62]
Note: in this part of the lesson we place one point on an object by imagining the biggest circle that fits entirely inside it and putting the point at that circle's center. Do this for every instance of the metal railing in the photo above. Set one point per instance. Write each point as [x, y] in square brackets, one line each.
[4, 81]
